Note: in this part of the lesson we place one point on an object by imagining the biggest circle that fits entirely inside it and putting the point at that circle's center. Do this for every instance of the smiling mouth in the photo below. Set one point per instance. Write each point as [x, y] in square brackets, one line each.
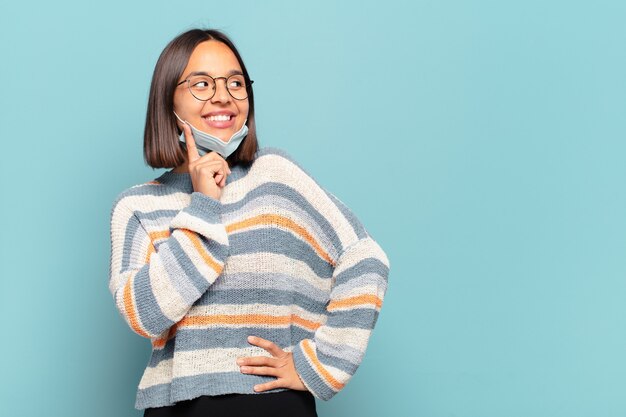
[218, 118]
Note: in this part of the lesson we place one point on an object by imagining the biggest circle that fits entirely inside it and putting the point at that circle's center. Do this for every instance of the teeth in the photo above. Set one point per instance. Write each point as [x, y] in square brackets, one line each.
[219, 118]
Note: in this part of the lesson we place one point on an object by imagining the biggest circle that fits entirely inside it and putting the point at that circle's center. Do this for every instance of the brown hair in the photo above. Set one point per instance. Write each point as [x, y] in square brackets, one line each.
[161, 148]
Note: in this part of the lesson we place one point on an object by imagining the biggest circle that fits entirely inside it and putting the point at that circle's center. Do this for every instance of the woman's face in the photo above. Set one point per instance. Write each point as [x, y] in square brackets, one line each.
[221, 115]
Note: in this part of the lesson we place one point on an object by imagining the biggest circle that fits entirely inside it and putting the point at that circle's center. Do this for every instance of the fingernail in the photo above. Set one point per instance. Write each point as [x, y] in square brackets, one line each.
[239, 361]
[250, 338]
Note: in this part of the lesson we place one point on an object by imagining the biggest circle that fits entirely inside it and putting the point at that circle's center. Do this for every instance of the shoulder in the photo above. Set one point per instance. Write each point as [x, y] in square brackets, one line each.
[275, 152]
[284, 159]
[293, 174]
[132, 197]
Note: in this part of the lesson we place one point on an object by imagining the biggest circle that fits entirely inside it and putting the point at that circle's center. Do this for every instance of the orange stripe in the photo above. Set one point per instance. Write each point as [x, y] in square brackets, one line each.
[163, 234]
[202, 251]
[159, 343]
[160, 234]
[273, 219]
[151, 250]
[308, 350]
[247, 319]
[129, 307]
[354, 301]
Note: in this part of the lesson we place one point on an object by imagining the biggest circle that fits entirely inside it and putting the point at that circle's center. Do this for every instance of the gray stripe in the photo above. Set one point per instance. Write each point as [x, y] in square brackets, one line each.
[273, 296]
[310, 376]
[359, 318]
[348, 358]
[364, 266]
[277, 203]
[359, 281]
[158, 224]
[159, 355]
[184, 280]
[154, 396]
[345, 365]
[156, 216]
[131, 229]
[189, 338]
[279, 241]
[251, 280]
[356, 224]
[205, 208]
[150, 314]
[282, 190]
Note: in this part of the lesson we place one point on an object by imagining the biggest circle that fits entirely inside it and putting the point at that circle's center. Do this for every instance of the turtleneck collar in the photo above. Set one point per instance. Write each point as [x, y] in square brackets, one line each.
[180, 180]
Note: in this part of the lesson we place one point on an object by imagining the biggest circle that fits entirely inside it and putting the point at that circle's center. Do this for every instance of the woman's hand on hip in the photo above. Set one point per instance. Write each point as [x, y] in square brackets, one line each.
[280, 365]
[208, 172]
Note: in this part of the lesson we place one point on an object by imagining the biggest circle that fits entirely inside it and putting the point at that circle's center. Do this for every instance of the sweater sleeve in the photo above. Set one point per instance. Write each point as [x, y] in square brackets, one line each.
[328, 360]
[154, 289]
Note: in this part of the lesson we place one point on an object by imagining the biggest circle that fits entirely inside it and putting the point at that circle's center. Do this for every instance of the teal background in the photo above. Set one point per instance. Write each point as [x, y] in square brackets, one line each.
[480, 142]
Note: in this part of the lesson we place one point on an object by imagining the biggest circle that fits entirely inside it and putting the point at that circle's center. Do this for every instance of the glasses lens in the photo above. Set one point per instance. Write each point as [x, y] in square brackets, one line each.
[201, 87]
[237, 86]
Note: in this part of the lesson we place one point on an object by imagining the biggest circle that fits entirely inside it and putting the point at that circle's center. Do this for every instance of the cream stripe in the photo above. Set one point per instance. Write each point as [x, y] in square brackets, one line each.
[338, 374]
[353, 337]
[160, 374]
[365, 247]
[174, 201]
[245, 309]
[119, 221]
[168, 298]
[274, 263]
[206, 361]
[216, 232]
[348, 290]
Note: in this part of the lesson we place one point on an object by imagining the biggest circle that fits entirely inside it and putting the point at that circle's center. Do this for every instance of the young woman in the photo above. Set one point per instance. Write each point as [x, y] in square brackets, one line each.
[257, 287]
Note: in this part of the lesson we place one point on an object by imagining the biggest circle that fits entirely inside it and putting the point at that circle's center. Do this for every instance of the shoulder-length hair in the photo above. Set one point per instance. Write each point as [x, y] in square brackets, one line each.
[161, 147]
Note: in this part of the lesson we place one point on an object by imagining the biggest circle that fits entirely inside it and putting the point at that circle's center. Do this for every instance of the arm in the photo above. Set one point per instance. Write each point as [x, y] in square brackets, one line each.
[327, 361]
[154, 289]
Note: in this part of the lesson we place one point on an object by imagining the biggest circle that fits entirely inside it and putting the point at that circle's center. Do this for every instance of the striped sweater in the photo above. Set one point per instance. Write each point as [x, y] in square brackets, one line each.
[278, 256]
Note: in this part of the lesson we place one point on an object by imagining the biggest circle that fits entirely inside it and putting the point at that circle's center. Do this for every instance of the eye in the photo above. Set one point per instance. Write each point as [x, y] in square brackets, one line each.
[236, 82]
[201, 84]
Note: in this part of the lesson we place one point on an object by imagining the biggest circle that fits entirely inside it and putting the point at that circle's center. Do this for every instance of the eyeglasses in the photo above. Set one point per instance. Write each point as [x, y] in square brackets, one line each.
[203, 87]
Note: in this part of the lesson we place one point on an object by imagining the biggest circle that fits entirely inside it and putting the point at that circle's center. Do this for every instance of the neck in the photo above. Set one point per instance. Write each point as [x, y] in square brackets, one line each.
[182, 168]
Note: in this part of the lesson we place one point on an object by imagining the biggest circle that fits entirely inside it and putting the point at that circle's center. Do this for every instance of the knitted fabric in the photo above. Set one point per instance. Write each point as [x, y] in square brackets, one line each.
[277, 256]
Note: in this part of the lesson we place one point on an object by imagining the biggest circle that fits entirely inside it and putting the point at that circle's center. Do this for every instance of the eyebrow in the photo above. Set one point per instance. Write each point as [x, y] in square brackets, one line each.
[231, 72]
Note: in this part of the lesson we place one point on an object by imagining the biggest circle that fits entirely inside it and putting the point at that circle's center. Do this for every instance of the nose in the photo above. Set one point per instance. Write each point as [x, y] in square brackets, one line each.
[221, 92]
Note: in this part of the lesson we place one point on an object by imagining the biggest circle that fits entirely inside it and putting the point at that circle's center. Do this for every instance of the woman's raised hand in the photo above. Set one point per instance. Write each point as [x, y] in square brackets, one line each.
[208, 172]
[280, 365]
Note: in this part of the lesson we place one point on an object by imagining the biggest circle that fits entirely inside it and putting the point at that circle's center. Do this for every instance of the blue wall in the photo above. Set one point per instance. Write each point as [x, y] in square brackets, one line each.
[480, 142]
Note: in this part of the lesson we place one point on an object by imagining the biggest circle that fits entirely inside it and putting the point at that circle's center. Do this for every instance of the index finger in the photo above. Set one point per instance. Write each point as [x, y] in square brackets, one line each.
[192, 151]
[268, 345]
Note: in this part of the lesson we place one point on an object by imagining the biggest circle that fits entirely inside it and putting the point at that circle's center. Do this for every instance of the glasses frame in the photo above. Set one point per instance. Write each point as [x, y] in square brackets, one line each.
[248, 84]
